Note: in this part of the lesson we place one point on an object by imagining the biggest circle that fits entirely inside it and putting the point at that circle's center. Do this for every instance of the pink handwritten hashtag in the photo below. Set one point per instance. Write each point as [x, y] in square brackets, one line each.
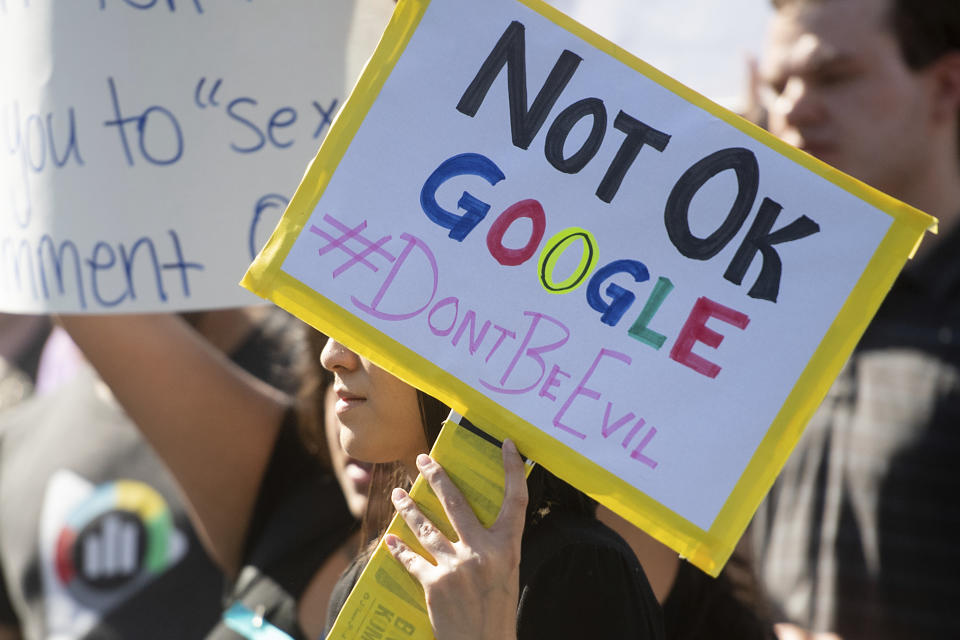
[348, 234]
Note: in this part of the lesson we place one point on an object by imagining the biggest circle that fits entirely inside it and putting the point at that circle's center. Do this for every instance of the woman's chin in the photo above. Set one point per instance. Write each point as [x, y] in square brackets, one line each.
[360, 448]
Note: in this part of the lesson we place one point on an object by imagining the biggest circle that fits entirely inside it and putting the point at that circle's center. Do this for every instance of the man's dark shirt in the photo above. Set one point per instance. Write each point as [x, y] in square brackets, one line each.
[861, 533]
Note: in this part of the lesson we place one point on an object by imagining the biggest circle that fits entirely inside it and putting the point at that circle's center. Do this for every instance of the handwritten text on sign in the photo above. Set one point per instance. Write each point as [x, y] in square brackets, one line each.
[148, 148]
[588, 249]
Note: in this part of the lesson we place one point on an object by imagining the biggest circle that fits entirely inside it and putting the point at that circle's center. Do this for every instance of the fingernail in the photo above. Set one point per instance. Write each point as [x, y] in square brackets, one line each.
[509, 446]
[423, 460]
[391, 540]
[397, 494]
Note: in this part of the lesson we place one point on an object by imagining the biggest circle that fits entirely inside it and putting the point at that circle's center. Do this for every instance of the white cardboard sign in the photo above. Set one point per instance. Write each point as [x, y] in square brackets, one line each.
[148, 148]
[574, 250]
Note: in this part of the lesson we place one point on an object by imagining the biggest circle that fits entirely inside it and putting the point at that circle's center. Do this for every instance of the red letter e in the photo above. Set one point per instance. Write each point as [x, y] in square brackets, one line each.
[695, 330]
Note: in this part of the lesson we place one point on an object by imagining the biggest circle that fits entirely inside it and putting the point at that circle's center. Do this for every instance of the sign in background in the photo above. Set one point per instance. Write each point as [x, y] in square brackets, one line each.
[147, 149]
[571, 249]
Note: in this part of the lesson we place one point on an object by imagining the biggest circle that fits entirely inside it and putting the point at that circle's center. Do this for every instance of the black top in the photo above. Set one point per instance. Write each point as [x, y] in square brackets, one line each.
[859, 535]
[726, 607]
[299, 520]
[60, 453]
[578, 579]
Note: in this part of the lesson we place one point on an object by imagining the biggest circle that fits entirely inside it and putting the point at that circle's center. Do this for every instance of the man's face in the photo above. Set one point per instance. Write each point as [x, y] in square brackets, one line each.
[835, 85]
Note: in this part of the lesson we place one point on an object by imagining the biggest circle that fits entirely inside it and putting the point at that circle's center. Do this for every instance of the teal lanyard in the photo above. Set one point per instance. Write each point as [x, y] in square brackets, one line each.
[251, 625]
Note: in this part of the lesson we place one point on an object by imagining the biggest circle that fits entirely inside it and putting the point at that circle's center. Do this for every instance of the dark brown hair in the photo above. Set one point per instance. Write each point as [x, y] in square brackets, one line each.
[314, 381]
[546, 491]
[386, 476]
[926, 30]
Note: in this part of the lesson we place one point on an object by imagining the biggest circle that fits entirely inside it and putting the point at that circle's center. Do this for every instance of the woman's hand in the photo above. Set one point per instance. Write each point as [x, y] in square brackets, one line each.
[473, 589]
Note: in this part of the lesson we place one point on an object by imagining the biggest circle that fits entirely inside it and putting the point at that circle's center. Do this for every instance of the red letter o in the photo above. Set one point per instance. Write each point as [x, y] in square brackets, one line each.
[524, 209]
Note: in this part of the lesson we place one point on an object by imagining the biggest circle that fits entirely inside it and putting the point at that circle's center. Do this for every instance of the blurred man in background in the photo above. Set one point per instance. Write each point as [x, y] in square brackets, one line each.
[859, 536]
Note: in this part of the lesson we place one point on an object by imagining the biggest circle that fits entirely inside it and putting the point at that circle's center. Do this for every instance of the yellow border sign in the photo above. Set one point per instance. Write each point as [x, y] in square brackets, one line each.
[710, 543]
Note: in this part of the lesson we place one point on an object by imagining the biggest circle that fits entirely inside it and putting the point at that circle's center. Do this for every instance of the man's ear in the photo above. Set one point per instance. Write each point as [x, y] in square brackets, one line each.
[945, 74]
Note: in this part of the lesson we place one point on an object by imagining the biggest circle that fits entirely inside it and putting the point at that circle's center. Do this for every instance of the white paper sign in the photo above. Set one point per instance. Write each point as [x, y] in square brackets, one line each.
[646, 292]
[148, 148]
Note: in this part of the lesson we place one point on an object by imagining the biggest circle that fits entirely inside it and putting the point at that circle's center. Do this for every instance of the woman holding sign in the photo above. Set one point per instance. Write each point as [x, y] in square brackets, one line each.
[545, 568]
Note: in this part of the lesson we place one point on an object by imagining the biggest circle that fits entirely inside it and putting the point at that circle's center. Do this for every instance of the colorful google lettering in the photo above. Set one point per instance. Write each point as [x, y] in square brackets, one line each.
[526, 122]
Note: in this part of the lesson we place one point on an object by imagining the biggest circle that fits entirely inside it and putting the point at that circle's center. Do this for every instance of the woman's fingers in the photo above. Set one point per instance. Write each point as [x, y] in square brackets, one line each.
[513, 510]
[481, 568]
[410, 559]
[427, 533]
[458, 510]
[461, 516]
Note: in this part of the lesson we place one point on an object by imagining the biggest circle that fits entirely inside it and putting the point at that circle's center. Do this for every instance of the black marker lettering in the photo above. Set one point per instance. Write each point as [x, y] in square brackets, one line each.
[510, 51]
[677, 211]
[638, 135]
[560, 129]
[759, 238]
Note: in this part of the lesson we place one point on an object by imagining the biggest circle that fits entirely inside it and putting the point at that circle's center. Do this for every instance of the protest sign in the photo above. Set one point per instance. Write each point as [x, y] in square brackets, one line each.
[647, 293]
[149, 148]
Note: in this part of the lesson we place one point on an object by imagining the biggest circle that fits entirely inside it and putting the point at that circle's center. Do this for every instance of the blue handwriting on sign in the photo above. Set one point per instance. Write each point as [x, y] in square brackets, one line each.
[172, 6]
[152, 132]
[39, 140]
[150, 4]
[60, 270]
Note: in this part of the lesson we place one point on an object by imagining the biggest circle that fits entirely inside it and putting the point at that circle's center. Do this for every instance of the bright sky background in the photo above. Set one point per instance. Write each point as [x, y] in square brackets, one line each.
[702, 43]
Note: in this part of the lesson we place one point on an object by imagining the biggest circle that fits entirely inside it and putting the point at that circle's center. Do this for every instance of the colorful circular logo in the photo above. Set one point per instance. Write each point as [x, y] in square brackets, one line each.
[118, 534]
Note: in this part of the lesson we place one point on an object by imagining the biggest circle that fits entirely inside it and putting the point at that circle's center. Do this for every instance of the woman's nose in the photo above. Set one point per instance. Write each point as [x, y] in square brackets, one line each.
[336, 357]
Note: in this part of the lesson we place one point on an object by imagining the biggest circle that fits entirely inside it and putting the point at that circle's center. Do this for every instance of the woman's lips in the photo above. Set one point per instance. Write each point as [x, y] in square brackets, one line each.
[347, 401]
